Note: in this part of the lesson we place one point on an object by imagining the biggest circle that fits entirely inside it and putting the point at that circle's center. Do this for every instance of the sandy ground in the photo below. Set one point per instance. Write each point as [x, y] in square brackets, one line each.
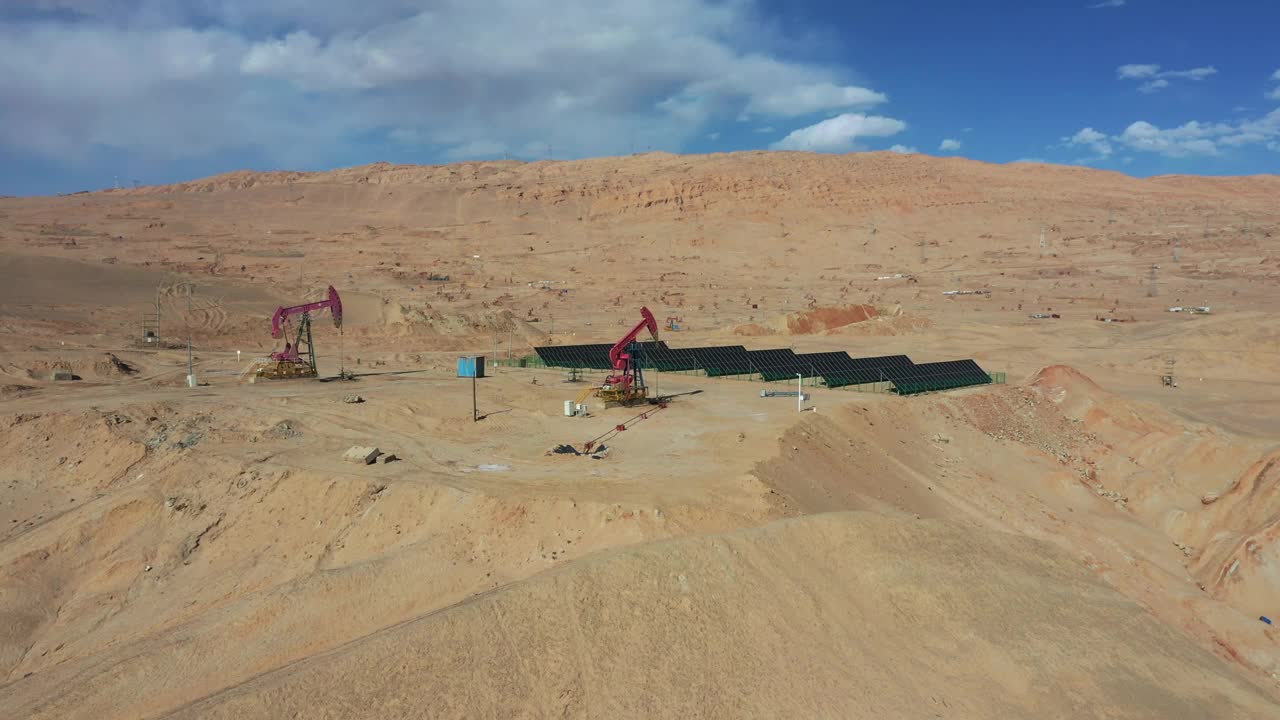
[1081, 542]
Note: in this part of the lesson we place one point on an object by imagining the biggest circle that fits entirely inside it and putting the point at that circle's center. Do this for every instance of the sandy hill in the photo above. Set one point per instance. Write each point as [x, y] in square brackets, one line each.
[1083, 541]
[847, 615]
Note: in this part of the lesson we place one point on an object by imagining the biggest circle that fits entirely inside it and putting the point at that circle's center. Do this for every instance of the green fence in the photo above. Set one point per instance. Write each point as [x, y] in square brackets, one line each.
[527, 361]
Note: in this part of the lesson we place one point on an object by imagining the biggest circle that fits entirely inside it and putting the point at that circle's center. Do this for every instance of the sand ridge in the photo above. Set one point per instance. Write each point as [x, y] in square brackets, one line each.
[1081, 541]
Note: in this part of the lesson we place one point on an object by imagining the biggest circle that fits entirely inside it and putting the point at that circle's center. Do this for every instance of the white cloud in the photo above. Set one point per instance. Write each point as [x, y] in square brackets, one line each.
[713, 136]
[1193, 74]
[1126, 160]
[1154, 85]
[1276, 76]
[1196, 139]
[903, 150]
[1092, 139]
[291, 81]
[840, 133]
[68, 88]
[1274, 94]
[1192, 139]
[765, 129]
[806, 99]
[1107, 4]
[1158, 79]
[1134, 72]
[950, 145]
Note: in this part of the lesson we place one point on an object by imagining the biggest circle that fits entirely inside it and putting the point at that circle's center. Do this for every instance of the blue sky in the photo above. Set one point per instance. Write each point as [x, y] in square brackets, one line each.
[95, 92]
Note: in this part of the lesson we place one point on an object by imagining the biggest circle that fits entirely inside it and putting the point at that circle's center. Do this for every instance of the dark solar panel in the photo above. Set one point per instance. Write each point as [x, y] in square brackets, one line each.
[931, 377]
[674, 359]
[726, 360]
[772, 362]
[592, 357]
[807, 365]
[861, 371]
[575, 356]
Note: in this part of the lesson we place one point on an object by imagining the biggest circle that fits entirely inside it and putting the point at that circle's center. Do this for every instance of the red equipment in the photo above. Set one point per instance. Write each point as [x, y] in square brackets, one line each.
[290, 362]
[626, 384]
[333, 303]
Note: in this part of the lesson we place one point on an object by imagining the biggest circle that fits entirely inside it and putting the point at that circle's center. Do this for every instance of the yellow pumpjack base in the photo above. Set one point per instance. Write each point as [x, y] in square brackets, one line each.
[621, 397]
[285, 371]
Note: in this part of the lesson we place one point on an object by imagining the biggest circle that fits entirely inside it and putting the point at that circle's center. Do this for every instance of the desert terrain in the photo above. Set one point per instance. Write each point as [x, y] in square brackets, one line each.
[1080, 541]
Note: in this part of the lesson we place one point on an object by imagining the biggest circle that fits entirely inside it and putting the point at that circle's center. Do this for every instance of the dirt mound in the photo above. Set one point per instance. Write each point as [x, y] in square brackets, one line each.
[821, 320]
[1071, 389]
[852, 615]
[811, 322]
[104, 367]
[887, 325]
[1064, 377]
[114, 366]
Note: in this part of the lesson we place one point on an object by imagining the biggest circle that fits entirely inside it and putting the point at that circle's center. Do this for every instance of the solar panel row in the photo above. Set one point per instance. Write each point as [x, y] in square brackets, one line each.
[861, 371]
[931, 377]
[837, 369]
[678, 359]
[591, 357]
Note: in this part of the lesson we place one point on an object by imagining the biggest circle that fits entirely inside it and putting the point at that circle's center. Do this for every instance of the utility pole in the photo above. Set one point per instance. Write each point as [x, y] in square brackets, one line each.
[799, 393]
[191, 374]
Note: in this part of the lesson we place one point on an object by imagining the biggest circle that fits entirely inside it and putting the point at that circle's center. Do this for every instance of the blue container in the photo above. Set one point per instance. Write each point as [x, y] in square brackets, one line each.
[471, 366]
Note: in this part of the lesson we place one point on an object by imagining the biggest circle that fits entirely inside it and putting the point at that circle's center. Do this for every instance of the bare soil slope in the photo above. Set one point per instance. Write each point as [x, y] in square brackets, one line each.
[848, 615]
[165, 549]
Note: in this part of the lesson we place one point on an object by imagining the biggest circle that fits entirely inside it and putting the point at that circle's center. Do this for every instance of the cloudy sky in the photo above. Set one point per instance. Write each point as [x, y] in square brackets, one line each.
[99, 92]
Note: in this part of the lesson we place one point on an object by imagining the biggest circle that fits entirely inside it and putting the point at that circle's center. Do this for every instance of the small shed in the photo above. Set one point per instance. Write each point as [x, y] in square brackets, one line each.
[471, 366]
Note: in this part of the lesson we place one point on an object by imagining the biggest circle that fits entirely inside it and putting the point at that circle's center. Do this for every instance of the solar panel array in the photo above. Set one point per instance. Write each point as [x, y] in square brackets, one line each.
[772, 363]
[862, 371]
[837, 369]
[931, 377]
[592, 357]
[675, 360]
